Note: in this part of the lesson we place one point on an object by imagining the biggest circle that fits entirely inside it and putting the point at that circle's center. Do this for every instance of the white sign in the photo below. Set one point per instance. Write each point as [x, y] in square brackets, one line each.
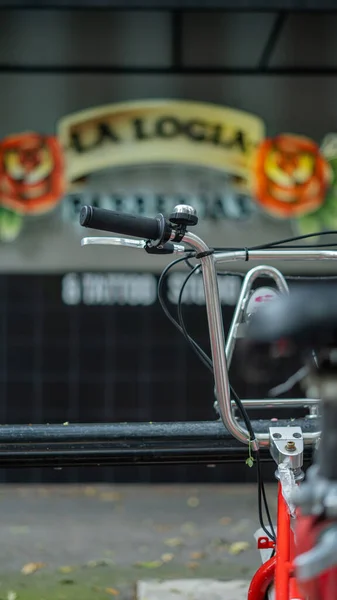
[140, 289]
[107, 289]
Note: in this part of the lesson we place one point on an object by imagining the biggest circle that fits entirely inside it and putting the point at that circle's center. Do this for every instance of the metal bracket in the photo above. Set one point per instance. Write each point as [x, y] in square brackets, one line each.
[264, 543]
[286, 443]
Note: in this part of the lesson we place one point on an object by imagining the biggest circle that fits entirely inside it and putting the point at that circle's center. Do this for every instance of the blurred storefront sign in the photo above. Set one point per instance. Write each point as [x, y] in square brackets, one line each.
[141, 157]
[159, 132]
[144, 157]
[140, 289]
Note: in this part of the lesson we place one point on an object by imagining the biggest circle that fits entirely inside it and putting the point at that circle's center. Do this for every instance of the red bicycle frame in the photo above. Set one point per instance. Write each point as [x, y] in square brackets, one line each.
[278, 571]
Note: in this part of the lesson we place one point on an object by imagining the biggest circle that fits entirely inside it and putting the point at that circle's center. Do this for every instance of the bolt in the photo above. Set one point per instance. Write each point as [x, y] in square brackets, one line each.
[290, 446]
[297, 435]
[277, 436]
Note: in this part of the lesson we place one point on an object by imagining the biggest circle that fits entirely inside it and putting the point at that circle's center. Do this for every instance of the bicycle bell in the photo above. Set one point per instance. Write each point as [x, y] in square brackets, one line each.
[184, 214]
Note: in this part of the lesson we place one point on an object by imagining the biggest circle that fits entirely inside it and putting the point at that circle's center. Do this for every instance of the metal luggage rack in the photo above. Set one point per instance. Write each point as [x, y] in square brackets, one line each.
[204, 442]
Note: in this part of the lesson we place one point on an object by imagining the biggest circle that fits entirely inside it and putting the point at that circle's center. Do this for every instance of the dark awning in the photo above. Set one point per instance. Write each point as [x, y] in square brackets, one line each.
[234, 5]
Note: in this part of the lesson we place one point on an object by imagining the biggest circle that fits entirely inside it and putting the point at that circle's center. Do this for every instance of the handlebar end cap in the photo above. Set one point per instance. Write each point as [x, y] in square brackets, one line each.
[85, 215]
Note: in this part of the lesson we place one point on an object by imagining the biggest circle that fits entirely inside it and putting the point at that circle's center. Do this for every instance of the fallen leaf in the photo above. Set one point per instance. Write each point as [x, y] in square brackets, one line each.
[238, 547]
[110, 496]
[66, 569]
[189, 528]
[92, 564]
[225, 520]
[112, 591]
[153, 564]
[193, 502]
[11, 595]
[19, 529]
[197, 555]
[90, 491]
[193, 565]
[173, 542]
[167, 557]
[30, 568]
[66, 423]
[161, 528]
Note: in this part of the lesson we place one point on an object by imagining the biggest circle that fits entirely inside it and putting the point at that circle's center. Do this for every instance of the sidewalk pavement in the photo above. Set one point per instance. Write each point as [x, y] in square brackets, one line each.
[91, 542]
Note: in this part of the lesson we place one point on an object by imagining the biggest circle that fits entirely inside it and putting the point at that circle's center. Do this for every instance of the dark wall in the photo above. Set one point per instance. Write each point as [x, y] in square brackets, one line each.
[70, 356]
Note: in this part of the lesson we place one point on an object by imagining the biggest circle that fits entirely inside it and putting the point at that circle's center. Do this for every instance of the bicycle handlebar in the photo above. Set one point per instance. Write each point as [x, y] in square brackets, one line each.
[156, 228]
[161, 230]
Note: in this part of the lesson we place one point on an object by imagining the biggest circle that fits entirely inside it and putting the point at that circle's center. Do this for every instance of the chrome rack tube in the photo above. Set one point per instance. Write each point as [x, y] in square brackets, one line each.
[250, 277]
[222, 257]
[278, 402]
[216, 331]
[217, 340]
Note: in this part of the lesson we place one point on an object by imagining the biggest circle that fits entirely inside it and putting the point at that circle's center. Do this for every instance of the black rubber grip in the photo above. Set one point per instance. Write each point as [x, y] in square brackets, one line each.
[125, 224]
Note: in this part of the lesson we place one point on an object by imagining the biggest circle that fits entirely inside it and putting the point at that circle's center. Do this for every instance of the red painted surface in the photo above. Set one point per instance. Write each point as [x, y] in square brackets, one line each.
[308, 531]
[261, 581]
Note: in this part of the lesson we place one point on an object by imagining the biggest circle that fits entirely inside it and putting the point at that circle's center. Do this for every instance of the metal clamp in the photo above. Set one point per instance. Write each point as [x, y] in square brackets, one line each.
[286, 444]
[264, 543]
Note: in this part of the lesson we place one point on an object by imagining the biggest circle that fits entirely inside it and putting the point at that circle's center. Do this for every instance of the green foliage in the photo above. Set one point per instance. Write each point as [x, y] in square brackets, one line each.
[10, 225]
